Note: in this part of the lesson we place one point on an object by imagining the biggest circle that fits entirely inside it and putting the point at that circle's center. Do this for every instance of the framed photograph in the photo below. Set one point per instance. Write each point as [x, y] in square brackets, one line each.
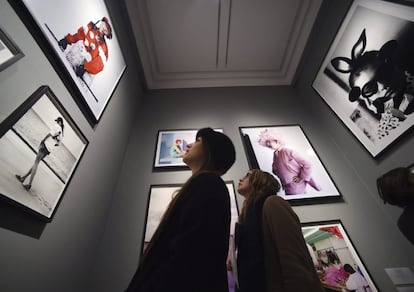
[336, 260]
[286, 153]
[159, 198]
[367, 76]
[40, 148]
[171, 146]
[80, 41]
[9, 51]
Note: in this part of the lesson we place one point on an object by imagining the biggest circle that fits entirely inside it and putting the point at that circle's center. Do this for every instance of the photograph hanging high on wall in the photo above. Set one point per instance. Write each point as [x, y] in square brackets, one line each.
[286, 153]
[171, 146]
[40, 148]
[10, 53]
[159, 198]
[367, 76]
[335, 258]
[80, 41]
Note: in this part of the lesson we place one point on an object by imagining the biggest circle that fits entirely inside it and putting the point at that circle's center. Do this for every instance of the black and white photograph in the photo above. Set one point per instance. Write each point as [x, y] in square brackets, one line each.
[367, 76]
[10, 53]
[82, 36]
[40, 148]
[286, 153]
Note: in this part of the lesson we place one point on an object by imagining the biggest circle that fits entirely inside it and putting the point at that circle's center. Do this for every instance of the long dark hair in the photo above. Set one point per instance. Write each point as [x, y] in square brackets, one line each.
[262, 184]
[211, 155]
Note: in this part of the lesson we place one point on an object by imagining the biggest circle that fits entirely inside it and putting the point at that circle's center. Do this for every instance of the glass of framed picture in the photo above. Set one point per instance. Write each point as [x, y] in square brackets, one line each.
[159, 198]
[81, 43]
[40, 148]
[286, 153]
[335, 258]
[367, 76]
[9, 51]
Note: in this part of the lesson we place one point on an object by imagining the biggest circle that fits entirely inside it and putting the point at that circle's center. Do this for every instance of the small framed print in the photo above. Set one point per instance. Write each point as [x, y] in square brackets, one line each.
[9, 51]
[40, 148]
[286, 153]
[159, 198]
[171, 146]
[335, 258]
[367, 76]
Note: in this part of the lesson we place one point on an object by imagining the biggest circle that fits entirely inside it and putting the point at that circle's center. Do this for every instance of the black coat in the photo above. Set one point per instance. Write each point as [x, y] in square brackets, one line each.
[191, 250]
[250, 252]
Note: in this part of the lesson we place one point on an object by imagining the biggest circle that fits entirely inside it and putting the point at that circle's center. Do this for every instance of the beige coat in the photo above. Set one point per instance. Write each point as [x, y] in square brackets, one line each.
[288, 264]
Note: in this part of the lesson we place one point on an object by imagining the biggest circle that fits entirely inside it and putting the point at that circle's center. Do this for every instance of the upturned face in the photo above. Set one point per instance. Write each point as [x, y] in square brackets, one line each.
[194, 156]
[244, 184]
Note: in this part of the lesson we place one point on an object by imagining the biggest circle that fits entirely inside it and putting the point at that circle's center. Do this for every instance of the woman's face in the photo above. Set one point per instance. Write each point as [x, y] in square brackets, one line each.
[244, 184]
[194, 156]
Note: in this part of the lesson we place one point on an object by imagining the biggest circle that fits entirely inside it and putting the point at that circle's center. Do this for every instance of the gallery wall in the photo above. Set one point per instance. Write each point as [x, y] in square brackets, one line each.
[370, 225]
[58, 256]
[94, 240]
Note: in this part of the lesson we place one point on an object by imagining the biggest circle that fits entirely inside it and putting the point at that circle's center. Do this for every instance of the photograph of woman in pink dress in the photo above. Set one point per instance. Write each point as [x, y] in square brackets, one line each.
[293, 170]
[286, 152]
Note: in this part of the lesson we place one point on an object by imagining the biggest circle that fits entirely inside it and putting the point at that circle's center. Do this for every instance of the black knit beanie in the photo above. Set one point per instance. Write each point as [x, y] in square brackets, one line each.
[220, 147]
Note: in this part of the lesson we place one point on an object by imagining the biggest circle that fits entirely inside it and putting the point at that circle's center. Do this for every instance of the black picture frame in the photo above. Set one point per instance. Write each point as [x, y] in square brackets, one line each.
[10, 53]
[316, 185]
[38, 156]
[330, 248]
[367, 74]
[91, 64]
[160, 195]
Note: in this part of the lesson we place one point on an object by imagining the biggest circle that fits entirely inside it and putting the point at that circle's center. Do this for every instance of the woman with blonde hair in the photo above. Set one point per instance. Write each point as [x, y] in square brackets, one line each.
[271, 252]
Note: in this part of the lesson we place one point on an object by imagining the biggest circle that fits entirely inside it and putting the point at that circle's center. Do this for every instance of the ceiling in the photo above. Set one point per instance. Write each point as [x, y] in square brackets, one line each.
[219, 43]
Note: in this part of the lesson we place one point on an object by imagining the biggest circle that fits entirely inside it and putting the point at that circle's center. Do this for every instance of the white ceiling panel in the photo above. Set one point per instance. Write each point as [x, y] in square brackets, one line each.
[206, 43]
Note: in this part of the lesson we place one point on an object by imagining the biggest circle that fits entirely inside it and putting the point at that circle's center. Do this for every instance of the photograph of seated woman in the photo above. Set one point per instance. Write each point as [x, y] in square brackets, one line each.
[271, 252]
[188, 251]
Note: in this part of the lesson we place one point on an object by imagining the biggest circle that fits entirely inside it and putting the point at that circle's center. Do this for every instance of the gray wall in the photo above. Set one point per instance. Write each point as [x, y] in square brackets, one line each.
[370, 224]
[58, 256]
[226, 108]
[94, 240]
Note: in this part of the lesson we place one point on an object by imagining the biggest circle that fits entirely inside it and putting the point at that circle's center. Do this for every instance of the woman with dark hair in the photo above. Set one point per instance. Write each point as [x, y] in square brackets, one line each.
[52, 139]
[271, 252]
[188, 251]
